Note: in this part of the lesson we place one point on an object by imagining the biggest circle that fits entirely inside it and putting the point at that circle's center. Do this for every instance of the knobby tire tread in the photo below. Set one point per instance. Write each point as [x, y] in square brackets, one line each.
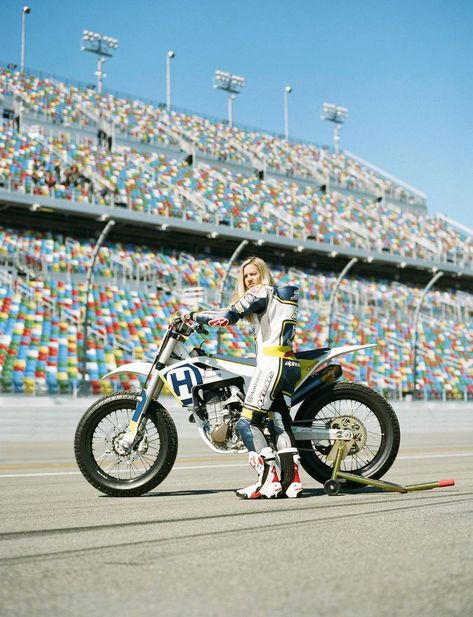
[88, 467]
[319, 470]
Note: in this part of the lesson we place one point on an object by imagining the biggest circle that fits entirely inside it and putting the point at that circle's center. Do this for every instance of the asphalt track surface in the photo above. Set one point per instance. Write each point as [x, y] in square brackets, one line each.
[192, 548]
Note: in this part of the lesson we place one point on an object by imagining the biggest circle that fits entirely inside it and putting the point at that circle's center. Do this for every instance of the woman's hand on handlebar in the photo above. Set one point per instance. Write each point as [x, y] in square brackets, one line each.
[188, 318]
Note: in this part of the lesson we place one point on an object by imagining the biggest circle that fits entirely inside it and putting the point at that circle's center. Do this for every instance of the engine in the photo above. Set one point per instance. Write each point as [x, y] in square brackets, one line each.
[219, 409]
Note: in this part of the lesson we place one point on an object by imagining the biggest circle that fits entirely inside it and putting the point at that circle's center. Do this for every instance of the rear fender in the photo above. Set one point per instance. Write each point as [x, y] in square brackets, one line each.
[335, 352]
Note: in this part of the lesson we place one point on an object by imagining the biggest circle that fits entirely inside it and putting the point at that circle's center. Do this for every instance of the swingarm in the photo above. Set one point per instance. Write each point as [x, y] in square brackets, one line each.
[311, 433]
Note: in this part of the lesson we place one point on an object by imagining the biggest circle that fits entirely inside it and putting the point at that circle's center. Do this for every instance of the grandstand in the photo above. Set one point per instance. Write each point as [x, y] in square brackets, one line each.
[184, 190]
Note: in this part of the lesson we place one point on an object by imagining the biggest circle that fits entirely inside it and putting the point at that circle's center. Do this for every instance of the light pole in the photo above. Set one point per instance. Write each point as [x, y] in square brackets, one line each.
[230, 262]
[232, 84]
[345, 270]
[26, 11]
[103, 47]
[85, 324]
[169, 56]
[100, 75]
[433, 280]
[231, 98]
[336, 115]
[287, 91]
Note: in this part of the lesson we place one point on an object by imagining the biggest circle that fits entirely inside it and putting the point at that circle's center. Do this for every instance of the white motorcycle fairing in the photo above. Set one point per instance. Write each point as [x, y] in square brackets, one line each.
[182, 376]
[244, 368]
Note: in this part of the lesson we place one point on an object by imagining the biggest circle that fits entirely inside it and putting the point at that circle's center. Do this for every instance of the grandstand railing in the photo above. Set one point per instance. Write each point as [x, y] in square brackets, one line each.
[223, 226]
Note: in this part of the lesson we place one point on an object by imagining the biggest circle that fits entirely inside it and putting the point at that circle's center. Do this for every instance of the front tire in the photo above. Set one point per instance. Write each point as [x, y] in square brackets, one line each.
[354, 406]
[104, 464]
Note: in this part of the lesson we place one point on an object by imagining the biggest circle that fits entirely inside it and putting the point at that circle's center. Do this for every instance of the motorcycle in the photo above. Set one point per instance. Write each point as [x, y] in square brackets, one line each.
[126, 443]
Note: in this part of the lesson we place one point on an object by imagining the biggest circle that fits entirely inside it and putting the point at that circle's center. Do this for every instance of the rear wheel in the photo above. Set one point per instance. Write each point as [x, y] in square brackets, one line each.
[367, 414]
[101, 458]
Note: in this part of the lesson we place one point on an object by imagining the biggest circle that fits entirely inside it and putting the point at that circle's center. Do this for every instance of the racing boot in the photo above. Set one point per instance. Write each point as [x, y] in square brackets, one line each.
[268, 484]
[290, 478]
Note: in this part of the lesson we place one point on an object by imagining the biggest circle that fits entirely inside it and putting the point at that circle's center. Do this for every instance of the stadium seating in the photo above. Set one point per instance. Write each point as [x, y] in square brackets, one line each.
[42, 304]
[41, 333]
[82, 171]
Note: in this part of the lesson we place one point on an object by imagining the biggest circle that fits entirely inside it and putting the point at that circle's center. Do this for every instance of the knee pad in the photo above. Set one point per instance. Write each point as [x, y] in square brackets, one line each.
[283, 441]
[283, 434]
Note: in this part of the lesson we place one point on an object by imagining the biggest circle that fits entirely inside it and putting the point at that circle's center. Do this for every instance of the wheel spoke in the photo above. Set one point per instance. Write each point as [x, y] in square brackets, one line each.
[356, 415]
[106, 442]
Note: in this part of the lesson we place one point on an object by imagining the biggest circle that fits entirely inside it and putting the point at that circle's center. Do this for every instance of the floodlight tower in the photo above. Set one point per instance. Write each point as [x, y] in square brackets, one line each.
[287, 91]
[102, 46]
[26, 11]
[223, 80]
[334, 113]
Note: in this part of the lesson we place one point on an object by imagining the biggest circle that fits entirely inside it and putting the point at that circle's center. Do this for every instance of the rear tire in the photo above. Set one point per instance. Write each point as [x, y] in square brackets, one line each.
[342, 406]
[97, 446]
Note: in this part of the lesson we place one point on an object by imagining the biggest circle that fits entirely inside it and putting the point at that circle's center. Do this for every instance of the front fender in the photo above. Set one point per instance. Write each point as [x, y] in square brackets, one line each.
[135, 368]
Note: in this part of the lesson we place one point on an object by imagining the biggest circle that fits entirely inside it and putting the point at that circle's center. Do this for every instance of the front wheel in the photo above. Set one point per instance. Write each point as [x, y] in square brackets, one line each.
[102, 460]
[367, 414]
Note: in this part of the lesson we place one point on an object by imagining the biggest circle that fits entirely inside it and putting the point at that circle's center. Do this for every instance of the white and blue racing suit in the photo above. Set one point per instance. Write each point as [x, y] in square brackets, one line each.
[277, 369]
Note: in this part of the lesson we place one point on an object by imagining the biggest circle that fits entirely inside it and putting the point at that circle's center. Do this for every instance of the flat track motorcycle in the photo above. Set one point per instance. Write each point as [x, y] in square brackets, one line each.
[126, 443]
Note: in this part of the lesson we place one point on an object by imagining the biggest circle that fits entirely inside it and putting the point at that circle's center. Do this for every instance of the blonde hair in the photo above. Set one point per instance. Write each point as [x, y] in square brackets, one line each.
[266, 279]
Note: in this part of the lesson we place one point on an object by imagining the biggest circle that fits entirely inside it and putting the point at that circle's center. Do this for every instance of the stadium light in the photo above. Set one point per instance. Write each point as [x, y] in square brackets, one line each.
[336, 115]
[169, 56]
[26, 11]
[101, 45]
[287, 91]
[223, 80]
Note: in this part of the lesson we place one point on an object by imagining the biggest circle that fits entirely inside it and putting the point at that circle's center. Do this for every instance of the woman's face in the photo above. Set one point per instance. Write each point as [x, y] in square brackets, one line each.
[251, 276]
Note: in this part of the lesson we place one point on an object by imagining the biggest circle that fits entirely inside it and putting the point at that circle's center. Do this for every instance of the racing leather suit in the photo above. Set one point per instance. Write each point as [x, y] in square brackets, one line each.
[277, 369]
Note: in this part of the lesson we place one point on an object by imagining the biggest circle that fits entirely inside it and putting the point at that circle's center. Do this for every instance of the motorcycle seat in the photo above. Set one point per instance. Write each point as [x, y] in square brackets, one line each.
[311, 354]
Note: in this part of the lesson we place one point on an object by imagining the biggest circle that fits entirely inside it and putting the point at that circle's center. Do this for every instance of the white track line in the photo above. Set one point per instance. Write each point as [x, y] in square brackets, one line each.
[197, 467]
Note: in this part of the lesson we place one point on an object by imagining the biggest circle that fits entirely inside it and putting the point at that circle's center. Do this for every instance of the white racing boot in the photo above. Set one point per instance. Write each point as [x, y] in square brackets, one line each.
[290, 478]
[268, 484]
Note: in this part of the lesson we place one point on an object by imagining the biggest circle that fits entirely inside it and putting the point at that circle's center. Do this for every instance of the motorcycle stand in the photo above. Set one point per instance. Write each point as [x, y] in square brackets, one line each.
[338, 452]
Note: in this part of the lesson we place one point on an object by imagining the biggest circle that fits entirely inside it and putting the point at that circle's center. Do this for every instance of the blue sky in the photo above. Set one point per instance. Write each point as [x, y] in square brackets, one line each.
[403, 68]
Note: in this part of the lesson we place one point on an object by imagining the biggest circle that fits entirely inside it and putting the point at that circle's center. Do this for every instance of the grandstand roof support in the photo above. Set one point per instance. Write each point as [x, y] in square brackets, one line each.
[90, 274]
[415, 326]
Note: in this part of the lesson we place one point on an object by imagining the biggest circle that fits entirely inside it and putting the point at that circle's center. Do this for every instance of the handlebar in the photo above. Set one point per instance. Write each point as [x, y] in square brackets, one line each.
[185, 328]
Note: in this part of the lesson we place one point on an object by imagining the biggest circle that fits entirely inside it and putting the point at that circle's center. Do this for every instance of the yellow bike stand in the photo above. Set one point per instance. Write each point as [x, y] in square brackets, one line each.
[338, 453]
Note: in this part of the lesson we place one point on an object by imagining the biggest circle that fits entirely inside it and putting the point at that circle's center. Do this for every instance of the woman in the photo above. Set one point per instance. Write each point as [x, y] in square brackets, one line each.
[272, 311]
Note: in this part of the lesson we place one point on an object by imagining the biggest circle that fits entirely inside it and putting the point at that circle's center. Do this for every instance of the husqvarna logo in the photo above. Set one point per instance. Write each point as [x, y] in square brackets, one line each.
[182, 379]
